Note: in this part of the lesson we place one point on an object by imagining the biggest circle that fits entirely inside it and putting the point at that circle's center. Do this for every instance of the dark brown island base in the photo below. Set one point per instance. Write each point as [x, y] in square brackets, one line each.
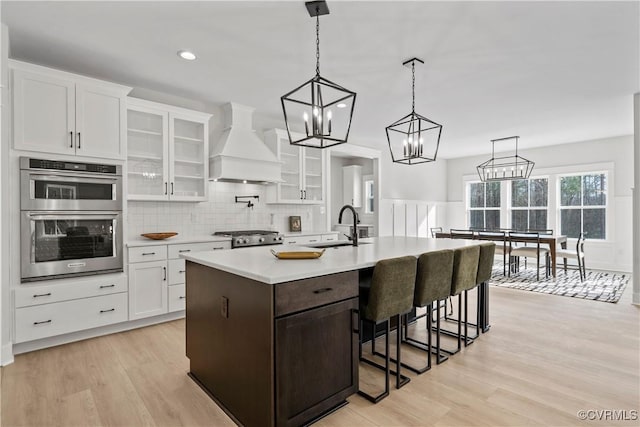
[275, 342]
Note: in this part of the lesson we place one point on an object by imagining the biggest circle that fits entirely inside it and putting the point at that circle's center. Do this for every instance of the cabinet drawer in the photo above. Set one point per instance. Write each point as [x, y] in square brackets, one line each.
[307, 293]
[68, 289]
[302, 240]
[69, 316]
[177, 271]
[176, 250]
[177, 297]
[148, 253]
[330, 237]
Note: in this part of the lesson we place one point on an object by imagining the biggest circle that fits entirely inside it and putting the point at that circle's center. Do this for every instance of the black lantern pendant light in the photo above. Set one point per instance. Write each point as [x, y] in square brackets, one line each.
[414, 138]
[321, 109]
[505, 167]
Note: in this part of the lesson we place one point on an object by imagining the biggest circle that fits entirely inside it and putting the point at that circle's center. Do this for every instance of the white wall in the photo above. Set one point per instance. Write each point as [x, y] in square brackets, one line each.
[636, 199]
[613, 254]
[6, 355]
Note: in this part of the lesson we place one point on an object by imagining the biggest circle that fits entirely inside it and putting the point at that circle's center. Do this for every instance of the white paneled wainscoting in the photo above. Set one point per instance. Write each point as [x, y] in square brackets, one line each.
[220, 212]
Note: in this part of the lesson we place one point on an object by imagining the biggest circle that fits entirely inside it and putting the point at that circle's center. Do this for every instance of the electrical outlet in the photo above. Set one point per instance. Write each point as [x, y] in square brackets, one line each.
[224, 307]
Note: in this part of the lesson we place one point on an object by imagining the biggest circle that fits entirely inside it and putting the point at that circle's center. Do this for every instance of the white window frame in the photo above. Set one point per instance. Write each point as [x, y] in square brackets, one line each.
[581, 207]
[469, 209]
[511, 208]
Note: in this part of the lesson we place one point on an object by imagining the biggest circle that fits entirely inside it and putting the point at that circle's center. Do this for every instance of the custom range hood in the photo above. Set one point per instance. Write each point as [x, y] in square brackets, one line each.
[240, 155]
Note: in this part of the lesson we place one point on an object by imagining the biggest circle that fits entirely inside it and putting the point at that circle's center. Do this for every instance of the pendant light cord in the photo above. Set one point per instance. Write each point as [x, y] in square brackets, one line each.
[317, 41]
[413, 86]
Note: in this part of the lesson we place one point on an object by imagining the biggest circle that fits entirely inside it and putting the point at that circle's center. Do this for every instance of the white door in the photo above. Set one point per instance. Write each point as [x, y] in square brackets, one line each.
[147, 289]
[99, 117]
[44, 113]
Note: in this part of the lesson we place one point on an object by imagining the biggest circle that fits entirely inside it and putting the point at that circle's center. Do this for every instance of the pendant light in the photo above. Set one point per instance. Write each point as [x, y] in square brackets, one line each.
[505, 167]
[319, 108]
[414, 138]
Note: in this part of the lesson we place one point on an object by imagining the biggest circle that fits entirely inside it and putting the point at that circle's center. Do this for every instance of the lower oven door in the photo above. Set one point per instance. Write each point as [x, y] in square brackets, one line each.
[63, 244]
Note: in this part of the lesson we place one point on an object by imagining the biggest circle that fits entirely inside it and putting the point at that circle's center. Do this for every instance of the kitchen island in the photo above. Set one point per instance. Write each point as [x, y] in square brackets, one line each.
[275, 342]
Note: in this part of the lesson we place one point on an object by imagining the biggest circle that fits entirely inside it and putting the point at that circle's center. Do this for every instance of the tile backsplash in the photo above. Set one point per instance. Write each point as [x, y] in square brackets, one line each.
[220, 212]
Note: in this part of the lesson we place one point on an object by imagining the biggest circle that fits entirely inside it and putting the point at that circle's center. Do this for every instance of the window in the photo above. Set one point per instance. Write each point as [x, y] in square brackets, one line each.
[368, 196]
[529, 203]
[583, 205]
[484, 205]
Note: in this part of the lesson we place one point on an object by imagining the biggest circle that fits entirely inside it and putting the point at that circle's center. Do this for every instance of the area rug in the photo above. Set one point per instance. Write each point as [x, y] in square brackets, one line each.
[598, 286]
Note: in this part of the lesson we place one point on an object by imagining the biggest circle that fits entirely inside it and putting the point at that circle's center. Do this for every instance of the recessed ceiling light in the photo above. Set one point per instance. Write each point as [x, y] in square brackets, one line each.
[186, 54]
[244, 181]
[341, 105]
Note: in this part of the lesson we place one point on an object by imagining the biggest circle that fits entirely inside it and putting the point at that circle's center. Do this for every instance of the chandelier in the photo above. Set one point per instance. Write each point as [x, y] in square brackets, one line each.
[414, 138]
[321, 109]
[505, 167]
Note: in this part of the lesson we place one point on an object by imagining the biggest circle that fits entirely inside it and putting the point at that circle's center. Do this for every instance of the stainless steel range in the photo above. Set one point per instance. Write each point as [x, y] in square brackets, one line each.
[244, 238]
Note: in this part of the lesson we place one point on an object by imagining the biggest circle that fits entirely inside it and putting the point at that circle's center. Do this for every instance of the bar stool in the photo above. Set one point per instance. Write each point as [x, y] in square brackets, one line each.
[433, 284]
[465, 270]
[485, 269]
[391, 294]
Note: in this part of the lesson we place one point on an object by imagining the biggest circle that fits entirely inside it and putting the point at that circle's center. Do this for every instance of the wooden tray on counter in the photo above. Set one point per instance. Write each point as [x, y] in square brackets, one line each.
[159, 236]
[297, 254]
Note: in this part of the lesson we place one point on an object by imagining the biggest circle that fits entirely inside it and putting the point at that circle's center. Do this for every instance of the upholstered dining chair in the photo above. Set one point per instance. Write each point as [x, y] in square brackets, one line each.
[578, 255]
[461, 234]
[435, 230]
[529, 248]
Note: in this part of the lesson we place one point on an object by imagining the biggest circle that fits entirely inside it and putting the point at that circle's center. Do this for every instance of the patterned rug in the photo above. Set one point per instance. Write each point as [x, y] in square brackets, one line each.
[599, 285]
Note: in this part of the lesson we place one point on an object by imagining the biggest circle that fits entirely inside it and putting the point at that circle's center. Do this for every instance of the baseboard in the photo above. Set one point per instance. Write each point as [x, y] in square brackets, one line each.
[28, 346]
[6, 354]
[635, 298]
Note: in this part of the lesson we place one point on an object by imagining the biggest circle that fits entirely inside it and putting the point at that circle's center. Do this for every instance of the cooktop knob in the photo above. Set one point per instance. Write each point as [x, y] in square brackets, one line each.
[261, 239]
[239, 242]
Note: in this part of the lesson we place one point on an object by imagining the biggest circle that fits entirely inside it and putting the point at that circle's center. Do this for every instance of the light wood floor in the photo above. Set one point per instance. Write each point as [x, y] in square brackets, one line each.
[545, 358]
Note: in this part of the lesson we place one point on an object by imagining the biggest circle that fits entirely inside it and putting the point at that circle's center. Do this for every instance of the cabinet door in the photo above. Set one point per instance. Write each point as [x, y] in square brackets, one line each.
[147, 289]
[290, 191]
[318, 349]
[188, 171]
[99, 120]
[147, 151]
[43, 113]
[313, 167]
[352, 185]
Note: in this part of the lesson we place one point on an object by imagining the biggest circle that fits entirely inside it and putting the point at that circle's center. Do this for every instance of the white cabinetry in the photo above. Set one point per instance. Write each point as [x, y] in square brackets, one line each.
[303, 171]
[167, 151]
[157, 277]
[63, 113]
[310, 239]
[352, 185]
[69, 305]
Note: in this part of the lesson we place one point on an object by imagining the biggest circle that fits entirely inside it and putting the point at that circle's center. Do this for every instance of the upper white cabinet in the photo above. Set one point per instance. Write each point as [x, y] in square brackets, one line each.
[167, 150]
[303, 171]
[352, 185]
[63, 113]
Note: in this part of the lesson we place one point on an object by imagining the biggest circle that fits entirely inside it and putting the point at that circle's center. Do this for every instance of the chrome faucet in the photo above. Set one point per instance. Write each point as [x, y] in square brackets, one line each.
[354, 233]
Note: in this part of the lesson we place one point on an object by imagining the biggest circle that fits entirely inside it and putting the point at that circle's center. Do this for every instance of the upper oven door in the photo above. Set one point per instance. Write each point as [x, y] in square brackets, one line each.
[69, 191]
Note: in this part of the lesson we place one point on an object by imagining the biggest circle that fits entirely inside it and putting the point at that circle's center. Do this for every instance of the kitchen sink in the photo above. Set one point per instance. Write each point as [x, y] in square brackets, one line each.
[335, 244]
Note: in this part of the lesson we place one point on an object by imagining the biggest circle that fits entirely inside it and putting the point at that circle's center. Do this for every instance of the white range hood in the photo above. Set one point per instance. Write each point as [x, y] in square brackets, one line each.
[240, 155]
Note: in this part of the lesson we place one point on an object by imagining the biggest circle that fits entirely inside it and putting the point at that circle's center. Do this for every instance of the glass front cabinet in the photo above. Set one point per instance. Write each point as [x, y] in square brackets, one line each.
[302, 171]
[167, 149]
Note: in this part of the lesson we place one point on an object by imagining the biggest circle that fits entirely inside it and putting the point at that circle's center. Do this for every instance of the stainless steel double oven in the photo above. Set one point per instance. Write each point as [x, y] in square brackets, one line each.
[71, 219]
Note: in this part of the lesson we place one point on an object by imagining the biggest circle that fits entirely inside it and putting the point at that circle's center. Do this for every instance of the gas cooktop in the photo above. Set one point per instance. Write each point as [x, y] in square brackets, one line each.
[244, 238]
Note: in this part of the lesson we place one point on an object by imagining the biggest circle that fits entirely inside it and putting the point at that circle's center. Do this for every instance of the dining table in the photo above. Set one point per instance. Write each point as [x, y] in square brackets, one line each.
[553, 240]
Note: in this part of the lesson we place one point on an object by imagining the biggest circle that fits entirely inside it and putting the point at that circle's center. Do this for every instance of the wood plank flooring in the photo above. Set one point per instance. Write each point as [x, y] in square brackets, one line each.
[545, 358]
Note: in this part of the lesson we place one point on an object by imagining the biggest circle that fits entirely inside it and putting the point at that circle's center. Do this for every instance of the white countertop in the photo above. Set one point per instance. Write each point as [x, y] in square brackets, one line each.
[175, 240]
[307, 233]
[259, 264]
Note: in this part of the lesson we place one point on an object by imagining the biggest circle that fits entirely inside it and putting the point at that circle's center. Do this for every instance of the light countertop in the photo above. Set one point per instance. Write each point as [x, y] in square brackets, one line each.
[176, 240]
[307, 233]
[258, 263]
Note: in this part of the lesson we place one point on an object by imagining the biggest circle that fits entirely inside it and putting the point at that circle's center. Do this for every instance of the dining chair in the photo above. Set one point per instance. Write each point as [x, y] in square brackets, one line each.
[515, 252]
[435, 230]
[500, 239]
[461, 234]
[578, 255]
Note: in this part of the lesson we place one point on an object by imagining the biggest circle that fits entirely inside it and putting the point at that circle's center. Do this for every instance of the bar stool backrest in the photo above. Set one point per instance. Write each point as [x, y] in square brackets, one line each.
[433, 279]
[392, 288]
[485, 262]
[465, 268]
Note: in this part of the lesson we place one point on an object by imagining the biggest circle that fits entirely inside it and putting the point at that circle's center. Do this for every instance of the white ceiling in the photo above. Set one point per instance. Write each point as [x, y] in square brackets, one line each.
[551, 72]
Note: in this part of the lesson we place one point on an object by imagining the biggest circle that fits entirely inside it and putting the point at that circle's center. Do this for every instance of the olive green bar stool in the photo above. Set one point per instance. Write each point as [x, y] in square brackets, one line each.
[485, 269]
[433, 285]
[465, 271]
[391, 295]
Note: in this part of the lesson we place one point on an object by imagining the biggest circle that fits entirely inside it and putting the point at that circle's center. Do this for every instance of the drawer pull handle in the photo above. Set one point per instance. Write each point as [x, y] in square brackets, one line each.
[183, 297]
[323, 290]
[48, 294]
[182, 271]
[107, 286]
[312, 241]
[217, 248]
[106, 311]
[148, 253]
[184, 250]
[40, 323]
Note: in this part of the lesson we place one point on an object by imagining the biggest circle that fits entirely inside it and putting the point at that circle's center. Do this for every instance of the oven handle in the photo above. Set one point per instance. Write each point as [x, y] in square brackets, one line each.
[37, 216]
[90, 178]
